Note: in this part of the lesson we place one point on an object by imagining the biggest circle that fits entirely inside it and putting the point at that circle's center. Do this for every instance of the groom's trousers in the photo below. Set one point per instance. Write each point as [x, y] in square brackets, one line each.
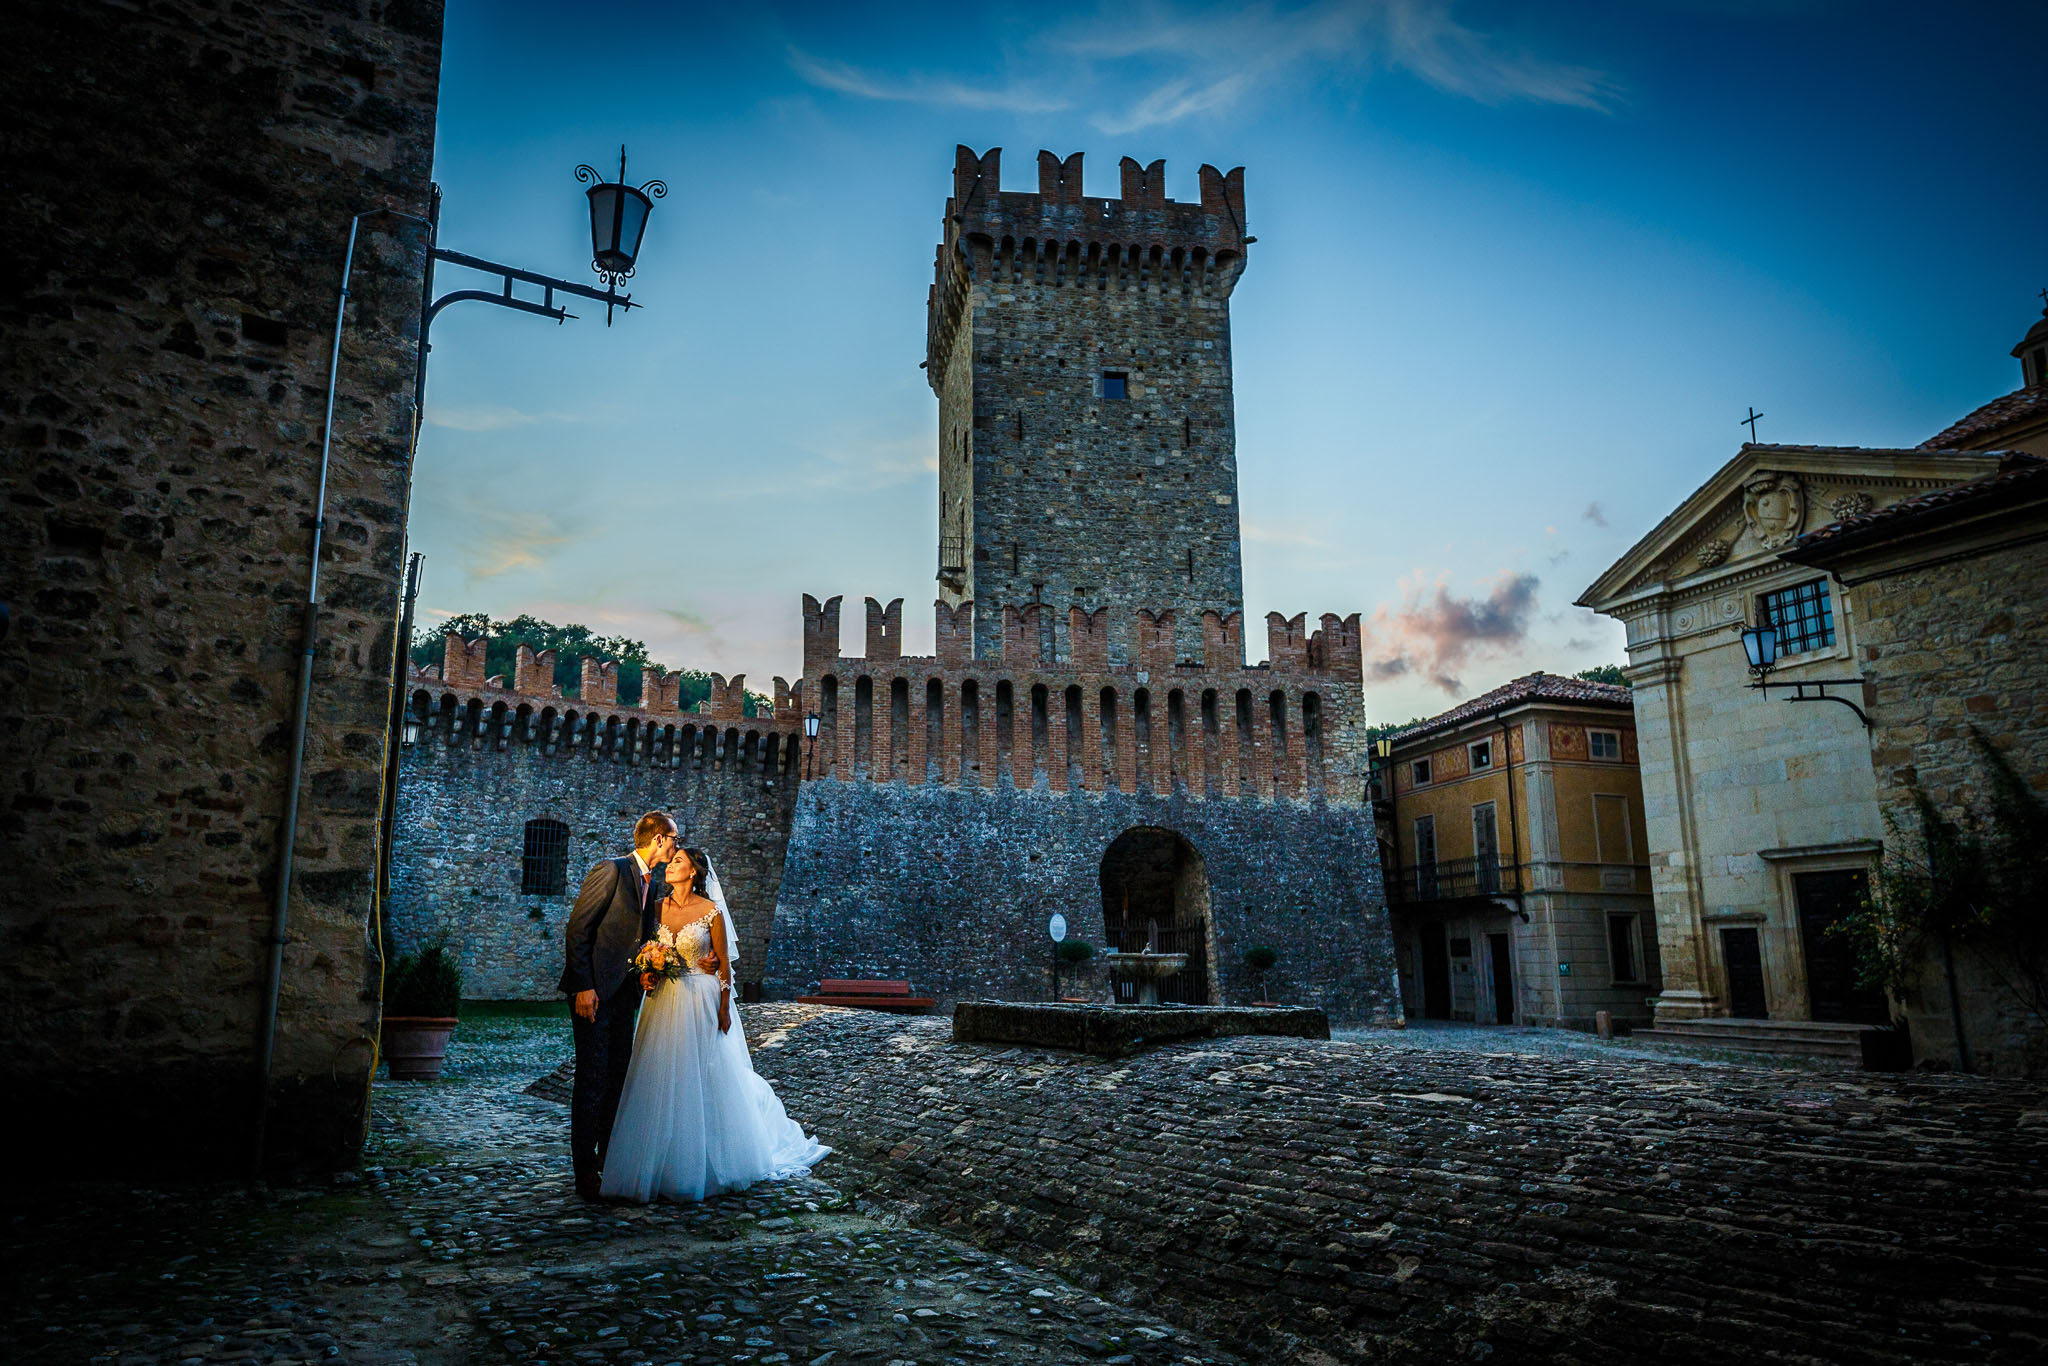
[604, 1048]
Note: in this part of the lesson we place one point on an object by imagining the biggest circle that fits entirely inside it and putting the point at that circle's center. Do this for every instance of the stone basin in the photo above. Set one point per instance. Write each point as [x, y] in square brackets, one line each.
[1147, 969]
[1144, 966]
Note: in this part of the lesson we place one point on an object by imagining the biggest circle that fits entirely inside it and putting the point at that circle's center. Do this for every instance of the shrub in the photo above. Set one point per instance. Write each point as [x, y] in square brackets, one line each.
[426, 983]
[1074, 951]
[1258, 958]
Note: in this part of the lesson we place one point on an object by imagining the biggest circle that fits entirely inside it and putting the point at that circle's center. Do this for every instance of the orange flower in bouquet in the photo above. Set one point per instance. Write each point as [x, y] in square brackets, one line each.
[658, 962]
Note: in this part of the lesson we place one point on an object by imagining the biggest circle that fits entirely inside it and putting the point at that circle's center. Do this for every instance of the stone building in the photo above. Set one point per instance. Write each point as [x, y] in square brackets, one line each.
[1764, 815]
[182, 184]
[1951, 593]
[1516, 858]
[1088, 737]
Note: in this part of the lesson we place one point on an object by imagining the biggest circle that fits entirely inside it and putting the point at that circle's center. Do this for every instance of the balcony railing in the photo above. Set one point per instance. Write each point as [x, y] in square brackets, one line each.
[1450, 879]
[952, 556]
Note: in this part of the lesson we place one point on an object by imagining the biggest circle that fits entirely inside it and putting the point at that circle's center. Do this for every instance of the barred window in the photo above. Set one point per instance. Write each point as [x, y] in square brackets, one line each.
[1803, 615]
[544, 868]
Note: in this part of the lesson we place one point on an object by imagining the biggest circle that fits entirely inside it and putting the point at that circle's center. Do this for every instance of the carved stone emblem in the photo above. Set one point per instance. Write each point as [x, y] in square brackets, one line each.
[1774, 506]
[1712, 553]
[1848, 505]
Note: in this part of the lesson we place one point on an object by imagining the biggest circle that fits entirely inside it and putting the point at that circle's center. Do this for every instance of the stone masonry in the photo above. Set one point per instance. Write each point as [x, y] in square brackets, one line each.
[181, 182]
[482, 761]
[1053, 486]
[934, 843]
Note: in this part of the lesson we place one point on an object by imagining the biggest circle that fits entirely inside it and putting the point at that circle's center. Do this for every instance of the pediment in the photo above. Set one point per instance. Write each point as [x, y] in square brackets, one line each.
[1757, 504]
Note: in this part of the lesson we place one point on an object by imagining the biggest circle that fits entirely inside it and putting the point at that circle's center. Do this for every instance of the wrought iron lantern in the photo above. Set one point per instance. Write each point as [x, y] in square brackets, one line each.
[618, 219]
[811, 726]
[1760, 643]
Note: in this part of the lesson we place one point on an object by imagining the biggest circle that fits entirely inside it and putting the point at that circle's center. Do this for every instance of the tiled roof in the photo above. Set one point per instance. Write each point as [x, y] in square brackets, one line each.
[2020, 405]
[1536, 687]
[2014, 470]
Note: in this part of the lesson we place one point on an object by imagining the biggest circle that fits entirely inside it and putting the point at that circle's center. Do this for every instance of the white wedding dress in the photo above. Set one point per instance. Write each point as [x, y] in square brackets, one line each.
[695, 1119]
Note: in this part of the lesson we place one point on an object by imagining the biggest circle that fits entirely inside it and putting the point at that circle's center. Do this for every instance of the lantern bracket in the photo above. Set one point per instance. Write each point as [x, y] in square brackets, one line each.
[1820, 692]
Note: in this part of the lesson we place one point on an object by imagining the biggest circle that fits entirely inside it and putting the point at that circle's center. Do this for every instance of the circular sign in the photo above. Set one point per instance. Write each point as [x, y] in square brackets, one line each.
[1057, 927]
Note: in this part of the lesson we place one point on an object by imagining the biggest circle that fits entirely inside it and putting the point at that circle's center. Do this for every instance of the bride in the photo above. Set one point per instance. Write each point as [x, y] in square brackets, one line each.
[694, 1119]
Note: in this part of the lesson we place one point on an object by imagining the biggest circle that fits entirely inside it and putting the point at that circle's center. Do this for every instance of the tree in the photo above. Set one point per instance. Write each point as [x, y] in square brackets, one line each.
[1374, 734]
[1605, 673]
[573, 645]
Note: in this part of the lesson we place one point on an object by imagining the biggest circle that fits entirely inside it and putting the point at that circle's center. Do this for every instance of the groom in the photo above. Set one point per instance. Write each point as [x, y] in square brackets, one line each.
[613, 916]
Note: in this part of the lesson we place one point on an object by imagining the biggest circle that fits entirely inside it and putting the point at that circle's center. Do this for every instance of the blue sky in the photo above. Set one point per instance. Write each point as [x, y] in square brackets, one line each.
[1520, 272]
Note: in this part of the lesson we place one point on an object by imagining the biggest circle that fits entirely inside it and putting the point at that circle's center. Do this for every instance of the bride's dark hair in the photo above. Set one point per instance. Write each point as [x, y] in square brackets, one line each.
[701, 861]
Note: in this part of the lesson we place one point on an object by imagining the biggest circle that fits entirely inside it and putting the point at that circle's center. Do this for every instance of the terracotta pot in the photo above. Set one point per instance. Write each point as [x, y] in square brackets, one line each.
[416, 1045]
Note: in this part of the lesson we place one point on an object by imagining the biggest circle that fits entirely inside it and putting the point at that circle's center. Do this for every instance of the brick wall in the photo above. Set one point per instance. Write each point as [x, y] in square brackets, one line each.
[181, 184]
[1061, 493]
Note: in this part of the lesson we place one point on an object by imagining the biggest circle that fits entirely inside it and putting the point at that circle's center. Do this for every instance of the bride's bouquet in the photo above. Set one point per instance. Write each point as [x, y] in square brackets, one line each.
[659, 960]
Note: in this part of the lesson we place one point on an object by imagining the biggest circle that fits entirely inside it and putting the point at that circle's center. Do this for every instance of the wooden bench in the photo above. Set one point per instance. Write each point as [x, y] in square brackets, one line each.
[863, 995]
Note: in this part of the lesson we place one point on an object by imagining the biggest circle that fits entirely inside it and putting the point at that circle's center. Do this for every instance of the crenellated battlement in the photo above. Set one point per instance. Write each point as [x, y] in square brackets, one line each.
[1214, 727]
[1140, 240]
[452, 703]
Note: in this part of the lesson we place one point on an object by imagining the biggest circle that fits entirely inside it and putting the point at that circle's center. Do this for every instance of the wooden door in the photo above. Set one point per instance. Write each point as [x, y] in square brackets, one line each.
[1436, 973]
[1744, 960]
[1825, 900]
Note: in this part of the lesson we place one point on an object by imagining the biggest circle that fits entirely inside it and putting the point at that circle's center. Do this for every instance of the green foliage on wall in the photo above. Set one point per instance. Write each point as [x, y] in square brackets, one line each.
[573, 643]
[1976, 881]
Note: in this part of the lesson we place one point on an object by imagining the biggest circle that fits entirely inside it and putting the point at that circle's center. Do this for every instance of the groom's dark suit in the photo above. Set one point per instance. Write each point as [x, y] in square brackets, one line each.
[613, 916]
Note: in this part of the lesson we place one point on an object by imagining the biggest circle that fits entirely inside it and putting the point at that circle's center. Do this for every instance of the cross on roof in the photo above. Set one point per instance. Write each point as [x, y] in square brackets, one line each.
[1750, 421]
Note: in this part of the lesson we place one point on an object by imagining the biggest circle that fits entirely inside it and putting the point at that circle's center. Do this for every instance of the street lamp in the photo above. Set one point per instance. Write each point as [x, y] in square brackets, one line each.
[810, 739]
[1760, 645]
[618, 217]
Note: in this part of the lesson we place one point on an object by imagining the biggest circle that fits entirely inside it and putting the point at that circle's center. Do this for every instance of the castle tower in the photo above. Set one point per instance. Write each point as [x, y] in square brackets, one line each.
[1080, 349]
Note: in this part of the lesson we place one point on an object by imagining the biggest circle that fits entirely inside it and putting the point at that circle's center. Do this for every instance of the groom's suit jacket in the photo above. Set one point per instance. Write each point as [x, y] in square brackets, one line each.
[607, 926]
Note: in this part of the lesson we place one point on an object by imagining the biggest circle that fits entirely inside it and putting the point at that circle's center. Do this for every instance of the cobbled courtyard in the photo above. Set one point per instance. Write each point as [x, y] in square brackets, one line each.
[1417, 1196]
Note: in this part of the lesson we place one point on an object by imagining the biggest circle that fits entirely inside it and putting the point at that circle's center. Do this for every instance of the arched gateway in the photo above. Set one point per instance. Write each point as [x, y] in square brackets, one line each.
[1153, 881]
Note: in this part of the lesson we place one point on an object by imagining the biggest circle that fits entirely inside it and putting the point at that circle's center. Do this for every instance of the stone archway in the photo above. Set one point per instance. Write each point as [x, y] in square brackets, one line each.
[1153, 878]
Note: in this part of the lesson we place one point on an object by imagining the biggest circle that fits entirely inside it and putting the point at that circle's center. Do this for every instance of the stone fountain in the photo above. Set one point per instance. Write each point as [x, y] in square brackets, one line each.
[1146, 969]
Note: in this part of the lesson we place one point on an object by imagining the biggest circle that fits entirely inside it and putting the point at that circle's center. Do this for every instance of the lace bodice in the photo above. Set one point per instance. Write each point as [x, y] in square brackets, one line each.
[692, 941]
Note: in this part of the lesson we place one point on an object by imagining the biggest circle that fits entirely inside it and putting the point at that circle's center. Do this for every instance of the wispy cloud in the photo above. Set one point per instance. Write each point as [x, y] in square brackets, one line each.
[1433, 634]
[853, 460]
[1594, 514]
[495, 418]
[915, 88]
[1193, 60]
[1149, 65]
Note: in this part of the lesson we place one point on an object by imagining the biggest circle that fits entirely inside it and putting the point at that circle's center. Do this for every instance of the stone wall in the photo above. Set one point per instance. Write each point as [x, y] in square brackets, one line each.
[1060, 492]
[1954, 645]
[477, 772]
[951, 888]
[181, 184]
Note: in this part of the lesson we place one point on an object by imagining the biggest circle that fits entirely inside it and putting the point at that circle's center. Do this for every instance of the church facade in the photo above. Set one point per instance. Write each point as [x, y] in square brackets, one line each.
[1088, 738]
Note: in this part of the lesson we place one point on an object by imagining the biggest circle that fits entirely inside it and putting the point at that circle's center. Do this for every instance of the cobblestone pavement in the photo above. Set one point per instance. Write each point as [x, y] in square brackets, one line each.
[1373, 1200]
[1478, 1038]
[463, 1244]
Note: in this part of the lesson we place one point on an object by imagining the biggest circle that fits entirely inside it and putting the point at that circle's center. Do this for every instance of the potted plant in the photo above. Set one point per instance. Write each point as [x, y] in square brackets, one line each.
[1259, 958]
[421, 993]
[1073, 953]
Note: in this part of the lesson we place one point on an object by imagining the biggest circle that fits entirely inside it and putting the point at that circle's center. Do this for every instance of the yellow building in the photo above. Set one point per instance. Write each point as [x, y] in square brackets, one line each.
[1517, 869]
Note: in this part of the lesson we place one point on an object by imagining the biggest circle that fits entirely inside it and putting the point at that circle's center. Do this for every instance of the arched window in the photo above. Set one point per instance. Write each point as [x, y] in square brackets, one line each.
[544, 867]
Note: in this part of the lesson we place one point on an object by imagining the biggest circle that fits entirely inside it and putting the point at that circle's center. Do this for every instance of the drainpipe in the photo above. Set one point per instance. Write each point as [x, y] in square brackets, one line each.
[309, 636]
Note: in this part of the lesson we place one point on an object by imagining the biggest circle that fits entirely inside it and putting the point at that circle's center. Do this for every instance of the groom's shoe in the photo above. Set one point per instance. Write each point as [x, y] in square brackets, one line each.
[589, 1187]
